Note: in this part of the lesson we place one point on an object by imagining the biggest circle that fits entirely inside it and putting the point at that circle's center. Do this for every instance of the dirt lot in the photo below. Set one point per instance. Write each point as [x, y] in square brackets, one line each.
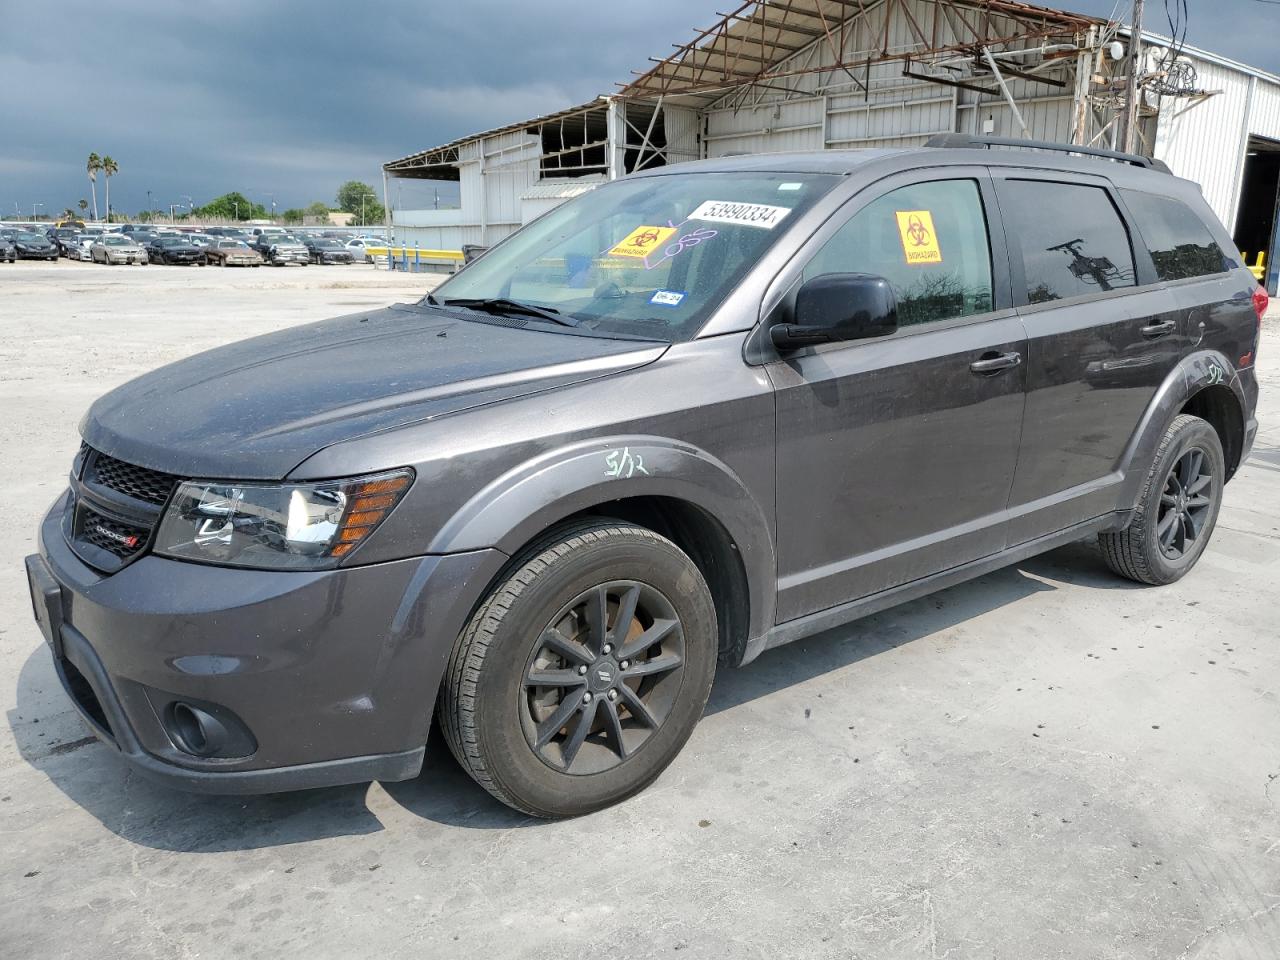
[1044, 763]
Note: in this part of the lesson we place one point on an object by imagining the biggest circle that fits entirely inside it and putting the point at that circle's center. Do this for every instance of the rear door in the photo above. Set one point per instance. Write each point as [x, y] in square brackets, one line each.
[895, 455]
[1102, 337]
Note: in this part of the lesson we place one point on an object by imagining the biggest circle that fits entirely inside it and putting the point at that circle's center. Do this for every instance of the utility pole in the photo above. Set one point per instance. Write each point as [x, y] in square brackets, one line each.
[1129, 124]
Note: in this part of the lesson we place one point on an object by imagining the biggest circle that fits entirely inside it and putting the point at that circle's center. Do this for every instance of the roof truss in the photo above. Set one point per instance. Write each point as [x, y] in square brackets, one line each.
[759, 42]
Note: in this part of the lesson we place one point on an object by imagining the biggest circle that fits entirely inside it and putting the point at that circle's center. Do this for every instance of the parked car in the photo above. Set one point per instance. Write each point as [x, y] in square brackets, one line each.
[280, 250]
[7, 249]
[62, 238]
[32, 246]
[783, 396]
[359, 249]
[225, 252]
[82, 248]
[323, 250]
[175, 250]
[113, 248]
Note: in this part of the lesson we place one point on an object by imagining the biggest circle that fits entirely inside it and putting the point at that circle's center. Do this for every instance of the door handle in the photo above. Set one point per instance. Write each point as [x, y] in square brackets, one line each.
[993, 362]
[1158, 329]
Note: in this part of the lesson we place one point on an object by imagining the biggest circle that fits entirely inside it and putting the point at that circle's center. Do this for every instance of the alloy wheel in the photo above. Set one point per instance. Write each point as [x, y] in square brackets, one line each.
[1185, 503]
[603, 677]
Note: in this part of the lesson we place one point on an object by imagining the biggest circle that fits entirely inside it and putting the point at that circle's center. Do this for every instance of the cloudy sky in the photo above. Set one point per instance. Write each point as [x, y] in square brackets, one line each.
[288, 98]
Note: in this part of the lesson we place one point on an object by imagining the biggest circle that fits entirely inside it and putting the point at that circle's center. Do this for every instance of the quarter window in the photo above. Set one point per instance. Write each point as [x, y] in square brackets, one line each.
[1072, 239]
[1181, 245]
[929, 240]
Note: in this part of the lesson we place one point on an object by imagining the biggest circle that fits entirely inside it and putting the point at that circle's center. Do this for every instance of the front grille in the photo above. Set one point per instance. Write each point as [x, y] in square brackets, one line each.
[122, 540]
[140, 483]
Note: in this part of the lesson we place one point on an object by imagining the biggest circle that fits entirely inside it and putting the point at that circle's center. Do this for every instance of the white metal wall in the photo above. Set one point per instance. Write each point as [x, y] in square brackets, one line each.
[1207, 142]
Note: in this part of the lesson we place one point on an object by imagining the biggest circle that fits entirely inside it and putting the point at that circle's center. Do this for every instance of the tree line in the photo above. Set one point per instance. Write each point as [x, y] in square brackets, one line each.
[353, 197]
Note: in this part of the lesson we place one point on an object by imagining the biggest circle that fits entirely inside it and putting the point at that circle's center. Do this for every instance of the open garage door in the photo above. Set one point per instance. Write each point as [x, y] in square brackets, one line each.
[1255, 231]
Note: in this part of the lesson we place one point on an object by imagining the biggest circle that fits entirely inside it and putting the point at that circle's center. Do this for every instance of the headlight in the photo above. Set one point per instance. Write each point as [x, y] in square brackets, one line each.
[295, 526]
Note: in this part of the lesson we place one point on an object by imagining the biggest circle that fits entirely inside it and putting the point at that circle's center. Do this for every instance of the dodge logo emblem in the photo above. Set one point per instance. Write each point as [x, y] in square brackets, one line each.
[120, 538]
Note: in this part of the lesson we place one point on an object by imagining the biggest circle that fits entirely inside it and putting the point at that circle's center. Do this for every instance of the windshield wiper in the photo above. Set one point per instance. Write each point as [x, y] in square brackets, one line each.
[501, 305]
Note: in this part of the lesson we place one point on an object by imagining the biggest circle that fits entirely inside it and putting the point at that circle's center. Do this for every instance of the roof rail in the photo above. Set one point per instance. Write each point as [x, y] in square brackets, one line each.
[962, 140]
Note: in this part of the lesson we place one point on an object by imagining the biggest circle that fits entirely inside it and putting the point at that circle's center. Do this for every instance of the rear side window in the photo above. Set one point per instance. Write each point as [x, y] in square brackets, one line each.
[929, 240]
[1072, 239]
[1181, 245]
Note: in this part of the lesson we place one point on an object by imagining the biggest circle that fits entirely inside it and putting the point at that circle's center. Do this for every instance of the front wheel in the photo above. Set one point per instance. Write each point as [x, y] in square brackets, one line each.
[1178, 509]
[584, 672]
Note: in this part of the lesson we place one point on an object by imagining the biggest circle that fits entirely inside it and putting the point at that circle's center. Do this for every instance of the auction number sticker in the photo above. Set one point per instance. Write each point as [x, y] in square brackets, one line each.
[642, 241]
[919, 242]
[743, 214]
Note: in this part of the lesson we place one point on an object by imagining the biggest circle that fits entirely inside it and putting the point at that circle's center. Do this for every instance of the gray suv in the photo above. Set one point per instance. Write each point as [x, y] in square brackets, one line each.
[697, 413]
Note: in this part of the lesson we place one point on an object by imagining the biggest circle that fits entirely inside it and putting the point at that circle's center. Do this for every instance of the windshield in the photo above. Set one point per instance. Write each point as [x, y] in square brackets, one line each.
[171, 242]
[117, 241]
[29, 237]
[232, 245]
[649, 257]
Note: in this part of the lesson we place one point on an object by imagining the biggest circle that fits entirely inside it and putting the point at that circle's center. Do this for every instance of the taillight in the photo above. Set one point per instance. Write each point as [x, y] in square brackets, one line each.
[1260, 303]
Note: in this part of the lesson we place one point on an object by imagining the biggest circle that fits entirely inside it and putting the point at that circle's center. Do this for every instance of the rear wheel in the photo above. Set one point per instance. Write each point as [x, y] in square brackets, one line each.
[1178, 509]
[584, 672]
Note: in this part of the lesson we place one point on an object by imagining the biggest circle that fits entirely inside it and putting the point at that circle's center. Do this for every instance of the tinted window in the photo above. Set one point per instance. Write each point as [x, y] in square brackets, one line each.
[1073, 241]
[1181, 245]
[929, 240]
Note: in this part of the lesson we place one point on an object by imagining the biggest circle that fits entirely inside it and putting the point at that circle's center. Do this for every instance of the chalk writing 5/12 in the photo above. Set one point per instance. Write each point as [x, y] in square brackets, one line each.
[623, 464]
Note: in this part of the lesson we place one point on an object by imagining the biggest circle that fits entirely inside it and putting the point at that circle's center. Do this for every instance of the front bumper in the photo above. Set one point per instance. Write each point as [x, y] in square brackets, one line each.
[126, 257]
[328, 677]
[289, 256]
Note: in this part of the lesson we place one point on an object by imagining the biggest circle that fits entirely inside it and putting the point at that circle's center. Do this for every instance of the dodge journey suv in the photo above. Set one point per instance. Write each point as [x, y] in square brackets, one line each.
[700, 412]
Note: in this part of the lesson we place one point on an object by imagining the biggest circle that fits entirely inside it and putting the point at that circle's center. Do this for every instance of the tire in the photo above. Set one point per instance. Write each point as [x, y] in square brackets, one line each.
[1171, 527]
[499, 725]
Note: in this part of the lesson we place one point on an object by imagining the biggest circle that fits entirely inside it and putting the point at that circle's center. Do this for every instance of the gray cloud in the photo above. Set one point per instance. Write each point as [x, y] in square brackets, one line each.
[291, 98]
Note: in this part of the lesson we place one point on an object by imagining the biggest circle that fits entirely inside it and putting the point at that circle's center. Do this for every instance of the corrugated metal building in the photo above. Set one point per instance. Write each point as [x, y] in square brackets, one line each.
[839, 74]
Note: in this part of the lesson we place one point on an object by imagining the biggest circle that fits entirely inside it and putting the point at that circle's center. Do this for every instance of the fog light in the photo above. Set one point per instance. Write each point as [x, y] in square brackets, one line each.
[194, 731]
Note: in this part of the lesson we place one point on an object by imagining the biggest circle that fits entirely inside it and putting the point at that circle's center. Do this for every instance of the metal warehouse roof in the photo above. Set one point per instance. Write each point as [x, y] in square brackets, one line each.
[752, 44]
[448, 153]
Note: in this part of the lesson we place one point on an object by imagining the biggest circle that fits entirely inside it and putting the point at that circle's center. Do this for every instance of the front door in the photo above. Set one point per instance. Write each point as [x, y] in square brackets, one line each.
[895, 455]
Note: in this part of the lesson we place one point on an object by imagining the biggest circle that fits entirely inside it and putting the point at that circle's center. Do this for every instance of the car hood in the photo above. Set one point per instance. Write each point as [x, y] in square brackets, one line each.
[256, 409]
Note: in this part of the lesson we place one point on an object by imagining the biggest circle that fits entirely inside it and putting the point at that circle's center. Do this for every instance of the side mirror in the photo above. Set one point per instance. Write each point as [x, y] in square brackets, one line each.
[836, 307]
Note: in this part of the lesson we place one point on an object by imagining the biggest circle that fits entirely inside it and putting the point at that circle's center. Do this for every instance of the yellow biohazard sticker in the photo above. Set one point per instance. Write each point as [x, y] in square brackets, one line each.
[642, 241]
[919, 242]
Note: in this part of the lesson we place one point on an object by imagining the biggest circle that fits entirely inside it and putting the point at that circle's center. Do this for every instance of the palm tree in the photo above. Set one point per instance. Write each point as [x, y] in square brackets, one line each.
[92, 167]
[109, 169]
[83, 205]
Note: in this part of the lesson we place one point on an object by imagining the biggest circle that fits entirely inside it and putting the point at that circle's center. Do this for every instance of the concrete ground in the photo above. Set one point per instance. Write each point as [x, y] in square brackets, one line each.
[1048, 762]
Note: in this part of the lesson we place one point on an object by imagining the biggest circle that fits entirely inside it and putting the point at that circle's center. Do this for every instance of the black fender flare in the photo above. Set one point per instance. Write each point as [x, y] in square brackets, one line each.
[517, 506]
[1194, 373]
